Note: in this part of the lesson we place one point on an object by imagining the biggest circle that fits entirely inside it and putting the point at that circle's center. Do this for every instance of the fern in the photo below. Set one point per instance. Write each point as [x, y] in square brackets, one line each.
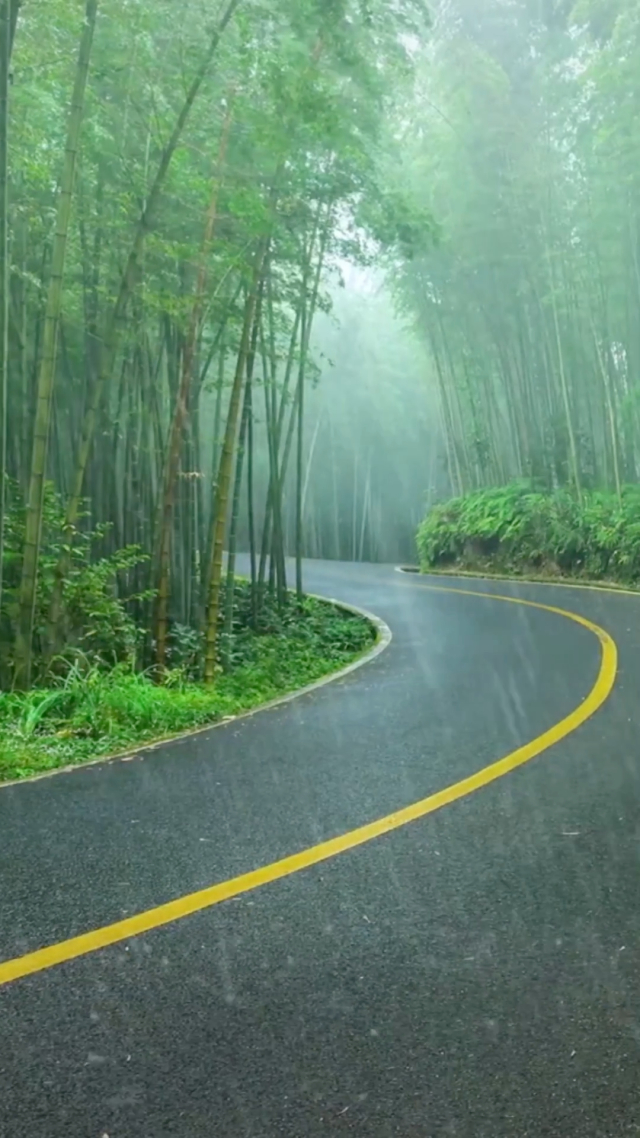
[518, 529]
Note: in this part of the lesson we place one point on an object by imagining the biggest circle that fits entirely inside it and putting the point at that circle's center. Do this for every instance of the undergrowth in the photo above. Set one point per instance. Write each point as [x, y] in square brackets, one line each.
[518, 530]
[91, 712]
[99, 595]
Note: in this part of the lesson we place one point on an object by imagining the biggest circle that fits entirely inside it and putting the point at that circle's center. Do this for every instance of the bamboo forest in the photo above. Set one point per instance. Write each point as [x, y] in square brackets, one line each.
[298, 279]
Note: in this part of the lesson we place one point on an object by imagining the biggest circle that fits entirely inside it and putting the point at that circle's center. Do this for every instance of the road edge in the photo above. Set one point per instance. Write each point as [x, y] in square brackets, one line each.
[383, 639]
[558, 583]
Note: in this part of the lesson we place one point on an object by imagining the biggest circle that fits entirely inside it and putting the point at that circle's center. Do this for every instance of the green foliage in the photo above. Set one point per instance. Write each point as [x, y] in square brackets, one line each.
[398, 224]
[91, 712]
[316, 626]
[518, 529]
[523, 140]
[96, 621]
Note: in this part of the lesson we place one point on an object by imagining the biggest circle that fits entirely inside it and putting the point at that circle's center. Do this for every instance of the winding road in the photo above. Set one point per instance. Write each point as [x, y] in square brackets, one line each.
[469, 967]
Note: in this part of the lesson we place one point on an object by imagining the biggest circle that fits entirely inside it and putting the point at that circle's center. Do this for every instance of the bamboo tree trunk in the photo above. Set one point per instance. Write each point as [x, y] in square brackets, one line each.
[221, 502]
[366, 505]
[308, 313]
[279, 544]
[448, 416]
[307, 473]
[611, 415]
[272, 537]
[229, 595]
[176, 431]
[299, 460]
[274, 419]
[334, 487]
[251, 526]
[23, 372]
[5, 276]
[215, 462]
[266, 542]
[564, 387]
[46, 375]
[237, 489]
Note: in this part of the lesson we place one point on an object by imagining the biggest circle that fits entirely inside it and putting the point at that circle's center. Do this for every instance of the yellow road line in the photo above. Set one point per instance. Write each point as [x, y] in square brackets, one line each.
[45, 958]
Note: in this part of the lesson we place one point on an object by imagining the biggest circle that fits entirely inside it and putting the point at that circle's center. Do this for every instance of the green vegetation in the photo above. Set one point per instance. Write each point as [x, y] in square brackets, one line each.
[524, 140]
[518, 530]
[89, 711]
[99, 611]
[182, 186]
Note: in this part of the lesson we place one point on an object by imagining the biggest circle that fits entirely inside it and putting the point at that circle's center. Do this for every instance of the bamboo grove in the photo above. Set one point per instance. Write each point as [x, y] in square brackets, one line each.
[176, 184]
[526, 146]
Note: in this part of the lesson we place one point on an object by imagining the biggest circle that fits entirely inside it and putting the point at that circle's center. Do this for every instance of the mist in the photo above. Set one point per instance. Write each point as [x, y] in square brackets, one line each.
[373, 450]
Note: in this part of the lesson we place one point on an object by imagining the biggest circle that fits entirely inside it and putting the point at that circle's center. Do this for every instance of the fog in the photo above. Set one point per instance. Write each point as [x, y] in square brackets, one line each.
[373, 451]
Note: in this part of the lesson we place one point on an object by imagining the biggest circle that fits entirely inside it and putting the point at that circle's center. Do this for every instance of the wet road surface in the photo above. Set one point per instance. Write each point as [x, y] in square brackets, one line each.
[475, 973]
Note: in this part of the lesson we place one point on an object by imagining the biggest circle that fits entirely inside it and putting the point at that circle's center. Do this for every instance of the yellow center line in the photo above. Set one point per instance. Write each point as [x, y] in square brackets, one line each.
[54, 954]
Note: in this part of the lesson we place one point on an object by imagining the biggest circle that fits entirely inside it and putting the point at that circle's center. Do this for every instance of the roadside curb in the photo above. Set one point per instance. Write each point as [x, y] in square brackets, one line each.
[384, 636]
[558, 583]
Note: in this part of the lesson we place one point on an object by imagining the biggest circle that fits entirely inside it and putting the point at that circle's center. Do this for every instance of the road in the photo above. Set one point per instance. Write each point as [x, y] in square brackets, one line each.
[475, 973]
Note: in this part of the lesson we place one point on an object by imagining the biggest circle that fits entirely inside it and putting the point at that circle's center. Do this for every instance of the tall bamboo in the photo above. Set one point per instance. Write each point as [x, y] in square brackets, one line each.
[229, 593]
[5, 53]
[128, 280]
[221, 502]
[46, 374]
[176, 430]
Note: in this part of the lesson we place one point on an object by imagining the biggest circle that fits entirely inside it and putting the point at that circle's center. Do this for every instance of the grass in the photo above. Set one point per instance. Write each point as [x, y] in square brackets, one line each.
[92, 712]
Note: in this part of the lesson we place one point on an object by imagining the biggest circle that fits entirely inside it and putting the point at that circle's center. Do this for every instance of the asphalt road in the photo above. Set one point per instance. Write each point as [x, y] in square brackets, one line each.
[473, 974]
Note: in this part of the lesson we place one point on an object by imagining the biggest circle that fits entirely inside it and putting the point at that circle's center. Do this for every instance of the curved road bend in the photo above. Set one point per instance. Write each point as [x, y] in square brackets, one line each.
[473, 974]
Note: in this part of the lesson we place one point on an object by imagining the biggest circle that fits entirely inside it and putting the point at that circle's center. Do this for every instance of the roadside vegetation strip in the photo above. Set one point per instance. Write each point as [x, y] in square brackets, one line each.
[521, 532]
[93, 714]
[52, 955]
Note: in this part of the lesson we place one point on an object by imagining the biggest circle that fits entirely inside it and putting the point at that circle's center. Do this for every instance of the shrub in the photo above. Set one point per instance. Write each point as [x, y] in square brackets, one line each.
[519, 529]
[95, 617]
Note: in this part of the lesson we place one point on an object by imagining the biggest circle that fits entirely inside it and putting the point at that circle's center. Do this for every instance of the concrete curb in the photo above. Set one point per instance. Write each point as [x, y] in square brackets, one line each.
[382, 641]
[557, 583]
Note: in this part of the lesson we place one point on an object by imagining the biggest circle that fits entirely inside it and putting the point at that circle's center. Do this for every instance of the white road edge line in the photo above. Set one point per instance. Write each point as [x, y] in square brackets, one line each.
[383, 639]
